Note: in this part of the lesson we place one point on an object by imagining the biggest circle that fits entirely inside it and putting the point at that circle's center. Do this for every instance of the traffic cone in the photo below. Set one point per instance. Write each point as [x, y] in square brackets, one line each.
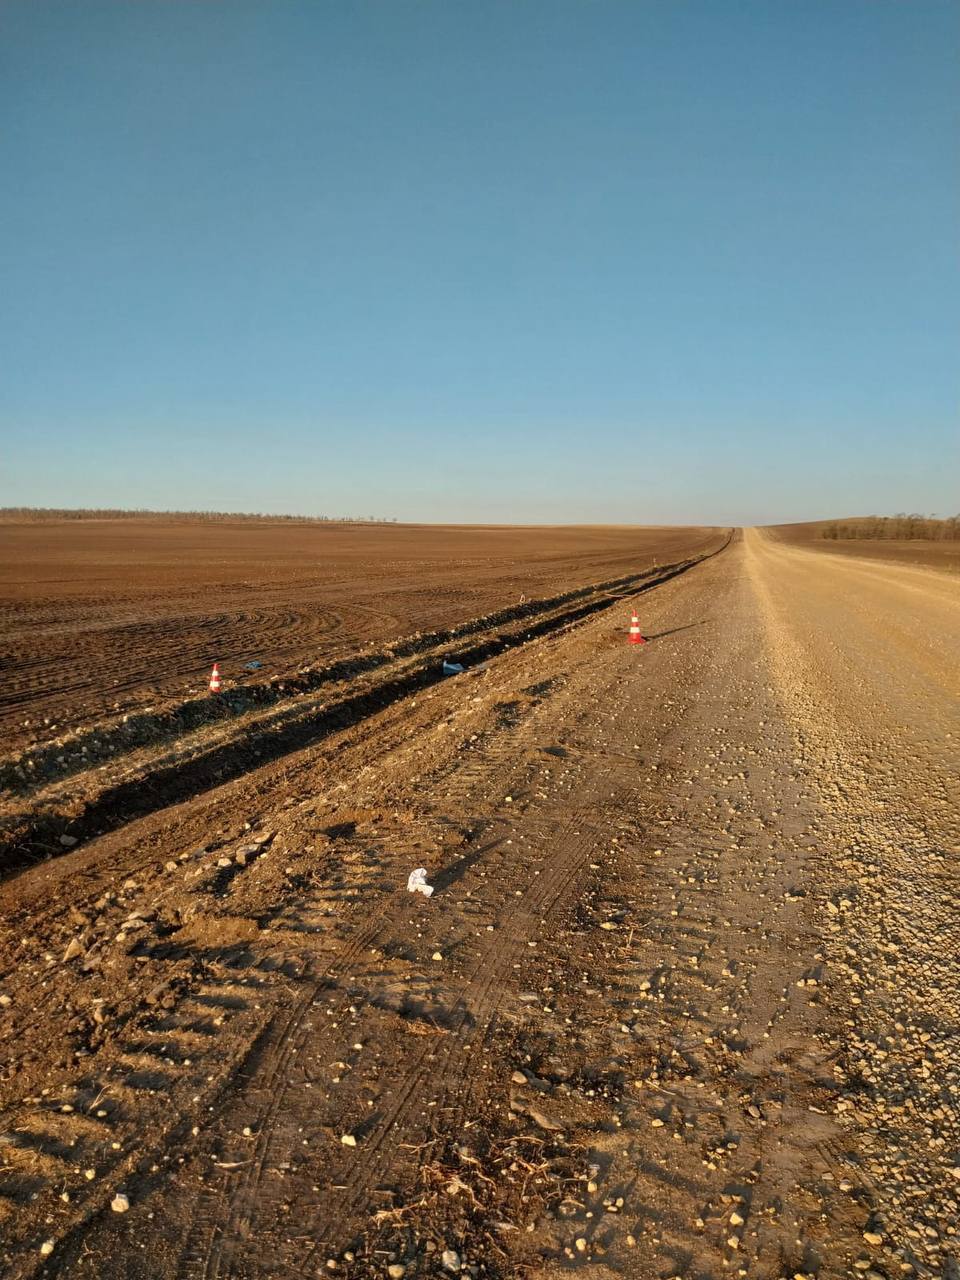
[215, 678]
[634, 636]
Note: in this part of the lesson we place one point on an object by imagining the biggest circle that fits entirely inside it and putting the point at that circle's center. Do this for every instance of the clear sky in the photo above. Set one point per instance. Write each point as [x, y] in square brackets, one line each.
[530, 260]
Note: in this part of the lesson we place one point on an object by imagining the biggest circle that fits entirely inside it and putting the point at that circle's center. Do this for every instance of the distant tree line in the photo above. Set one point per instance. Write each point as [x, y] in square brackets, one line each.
[141, 513]
[902, 527]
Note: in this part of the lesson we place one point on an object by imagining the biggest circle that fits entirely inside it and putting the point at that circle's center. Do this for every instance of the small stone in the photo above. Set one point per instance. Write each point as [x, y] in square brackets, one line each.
[873, 1237]
[451, 1261]
[68, 841]
[608, 924]
[46, 1248]
[735, 1219]
[74, 949]
[120, 1203]
[581, 1244]
[544, 1121]
[436, 956]
[348, 1140]
[396, 1270]
[6, 1000]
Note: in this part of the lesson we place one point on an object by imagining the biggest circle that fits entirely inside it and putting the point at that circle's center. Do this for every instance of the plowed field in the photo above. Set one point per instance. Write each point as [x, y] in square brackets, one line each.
[918, 552]
[105, 616]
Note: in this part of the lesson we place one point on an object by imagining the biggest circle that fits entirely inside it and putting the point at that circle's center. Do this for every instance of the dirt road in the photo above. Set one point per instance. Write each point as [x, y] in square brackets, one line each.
[683, 1003]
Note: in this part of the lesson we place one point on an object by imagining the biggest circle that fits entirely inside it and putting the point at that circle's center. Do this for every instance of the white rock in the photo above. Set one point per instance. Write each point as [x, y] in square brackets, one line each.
[120, 1203]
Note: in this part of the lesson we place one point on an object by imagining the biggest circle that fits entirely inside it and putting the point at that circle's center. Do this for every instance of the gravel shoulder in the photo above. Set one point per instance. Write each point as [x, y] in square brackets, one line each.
[867, 659]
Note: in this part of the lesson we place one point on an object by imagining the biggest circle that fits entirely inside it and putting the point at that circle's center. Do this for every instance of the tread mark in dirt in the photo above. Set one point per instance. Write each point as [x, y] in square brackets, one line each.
[572, 846]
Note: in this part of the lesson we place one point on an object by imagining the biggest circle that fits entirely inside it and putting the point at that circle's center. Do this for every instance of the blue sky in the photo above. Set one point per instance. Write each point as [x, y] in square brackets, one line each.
[613, 260]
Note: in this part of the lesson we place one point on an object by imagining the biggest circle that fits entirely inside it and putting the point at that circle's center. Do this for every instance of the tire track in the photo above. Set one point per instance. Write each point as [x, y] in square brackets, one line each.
[478, 993]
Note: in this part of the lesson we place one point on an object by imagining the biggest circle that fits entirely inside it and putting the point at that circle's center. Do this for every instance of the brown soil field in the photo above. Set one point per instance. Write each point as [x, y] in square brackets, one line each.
[683, 1001]
[932, 555]
[100, 616]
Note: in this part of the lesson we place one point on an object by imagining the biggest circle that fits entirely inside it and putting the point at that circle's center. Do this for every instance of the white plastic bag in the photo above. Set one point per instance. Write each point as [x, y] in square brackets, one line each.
[417, 882]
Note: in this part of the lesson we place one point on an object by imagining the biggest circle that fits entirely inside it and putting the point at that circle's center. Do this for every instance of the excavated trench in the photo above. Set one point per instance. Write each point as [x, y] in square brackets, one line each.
[257, 725]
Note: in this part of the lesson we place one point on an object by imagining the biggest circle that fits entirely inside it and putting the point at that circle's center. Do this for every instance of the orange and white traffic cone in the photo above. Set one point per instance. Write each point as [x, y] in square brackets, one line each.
[634, 636]
[215, 681]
